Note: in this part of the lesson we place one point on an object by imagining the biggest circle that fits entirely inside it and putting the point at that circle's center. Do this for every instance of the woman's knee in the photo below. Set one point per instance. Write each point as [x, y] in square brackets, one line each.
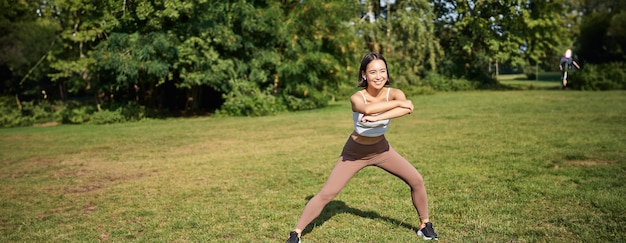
[326, 196]
[416, 181]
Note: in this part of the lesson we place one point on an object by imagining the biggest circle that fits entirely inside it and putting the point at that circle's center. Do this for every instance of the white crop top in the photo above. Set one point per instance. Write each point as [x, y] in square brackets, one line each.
[369, 129]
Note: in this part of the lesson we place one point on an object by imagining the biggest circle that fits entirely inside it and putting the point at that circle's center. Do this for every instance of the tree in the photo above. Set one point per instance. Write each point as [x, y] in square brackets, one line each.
[84, 24]
[317, 46]
[602, 33]
[403, 31]
[27, 38]
[145, 55]
[288, 53]
[476, 34]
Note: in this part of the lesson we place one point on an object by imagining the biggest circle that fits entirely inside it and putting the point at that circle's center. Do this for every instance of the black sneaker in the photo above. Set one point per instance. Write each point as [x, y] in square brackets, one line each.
[293, 237]
[428, 233]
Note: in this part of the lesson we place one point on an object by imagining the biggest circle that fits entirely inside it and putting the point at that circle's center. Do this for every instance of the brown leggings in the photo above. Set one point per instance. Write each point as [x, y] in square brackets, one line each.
[355, 157]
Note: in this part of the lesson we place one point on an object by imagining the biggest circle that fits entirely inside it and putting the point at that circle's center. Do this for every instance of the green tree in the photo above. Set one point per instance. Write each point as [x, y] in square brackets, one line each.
[404, 32]
[477, 34]
[317, 46]
[602, 36]
[287, 53]
[83, 25]
[26, 40]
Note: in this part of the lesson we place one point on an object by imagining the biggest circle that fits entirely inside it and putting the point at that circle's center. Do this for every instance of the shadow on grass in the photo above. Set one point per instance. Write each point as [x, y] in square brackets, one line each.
[335, 207]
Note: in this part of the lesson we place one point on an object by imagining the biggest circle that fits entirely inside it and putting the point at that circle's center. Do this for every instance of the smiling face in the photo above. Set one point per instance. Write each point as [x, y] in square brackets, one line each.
[373, 64]
[376, 74]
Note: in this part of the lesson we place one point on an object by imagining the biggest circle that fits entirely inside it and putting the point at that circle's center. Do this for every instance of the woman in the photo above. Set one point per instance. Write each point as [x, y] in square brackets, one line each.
[372, 108]
[565, 64]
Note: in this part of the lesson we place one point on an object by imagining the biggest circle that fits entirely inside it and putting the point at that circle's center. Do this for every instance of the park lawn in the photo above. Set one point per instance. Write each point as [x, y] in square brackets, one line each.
[544, 81]
[506, 166]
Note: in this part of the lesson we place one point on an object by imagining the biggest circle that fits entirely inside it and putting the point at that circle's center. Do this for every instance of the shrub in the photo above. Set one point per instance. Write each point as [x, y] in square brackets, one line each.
[442, 83]
[245, 99]
[412, 90]
[610, 76]
[32, 112]
[530, 71]
[294, 103]
[107, 117]
[77, 113]
[131, 111]
[67, 112]
[11, 115]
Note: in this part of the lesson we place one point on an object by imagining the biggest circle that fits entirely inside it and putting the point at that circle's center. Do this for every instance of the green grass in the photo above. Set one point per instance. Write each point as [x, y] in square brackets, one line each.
[544, 81]
[532, 166]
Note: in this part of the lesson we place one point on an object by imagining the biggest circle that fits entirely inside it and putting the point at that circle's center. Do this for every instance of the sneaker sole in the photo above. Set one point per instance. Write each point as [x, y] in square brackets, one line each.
[425, 237]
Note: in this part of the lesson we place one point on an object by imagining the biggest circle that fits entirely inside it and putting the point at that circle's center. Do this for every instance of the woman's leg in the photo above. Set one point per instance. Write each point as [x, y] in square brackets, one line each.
[343, 171]
[395, 164]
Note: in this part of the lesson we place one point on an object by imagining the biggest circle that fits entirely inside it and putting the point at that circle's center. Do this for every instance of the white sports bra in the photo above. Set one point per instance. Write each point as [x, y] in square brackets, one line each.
[369, 129]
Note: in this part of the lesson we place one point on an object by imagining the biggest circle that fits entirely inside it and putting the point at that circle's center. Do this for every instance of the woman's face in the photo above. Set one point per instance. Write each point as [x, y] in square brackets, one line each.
[568, 53]
[376, 74]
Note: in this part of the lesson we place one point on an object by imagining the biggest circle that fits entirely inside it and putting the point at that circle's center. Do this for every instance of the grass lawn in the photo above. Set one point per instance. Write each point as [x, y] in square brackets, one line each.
[545, 80]
[505, 166]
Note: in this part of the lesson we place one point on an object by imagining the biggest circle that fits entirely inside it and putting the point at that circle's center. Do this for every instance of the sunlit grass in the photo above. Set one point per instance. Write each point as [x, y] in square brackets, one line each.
[533, 166]
[545, 80]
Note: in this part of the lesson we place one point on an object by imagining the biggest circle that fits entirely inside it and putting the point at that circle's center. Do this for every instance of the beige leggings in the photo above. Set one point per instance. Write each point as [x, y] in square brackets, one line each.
[355, 157]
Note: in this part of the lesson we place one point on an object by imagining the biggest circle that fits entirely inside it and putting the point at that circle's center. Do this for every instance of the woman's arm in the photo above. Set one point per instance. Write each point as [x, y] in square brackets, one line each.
[358, 105]
[393, 113]
[397, 99]
[405, 107]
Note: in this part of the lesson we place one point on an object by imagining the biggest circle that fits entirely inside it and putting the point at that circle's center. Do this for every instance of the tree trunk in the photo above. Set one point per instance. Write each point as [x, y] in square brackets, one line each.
[19, 103]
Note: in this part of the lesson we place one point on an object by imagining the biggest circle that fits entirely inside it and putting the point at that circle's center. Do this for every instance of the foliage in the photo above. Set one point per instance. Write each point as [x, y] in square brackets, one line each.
[442, 83]
[602, 35]
[65, 112]
[403, 31]
[83, 23]
[134, 58]
[107, 117]
[76, 113]
[10, 115]
[131, 111]
[477, 34]
[610, 76]
[190, 57]
[318, 49]
[32, 112]
[24, 45]
[246, 99]
[531, 71]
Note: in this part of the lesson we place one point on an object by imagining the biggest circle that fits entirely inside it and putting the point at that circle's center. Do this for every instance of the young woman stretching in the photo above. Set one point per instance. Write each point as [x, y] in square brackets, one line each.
[372, 108]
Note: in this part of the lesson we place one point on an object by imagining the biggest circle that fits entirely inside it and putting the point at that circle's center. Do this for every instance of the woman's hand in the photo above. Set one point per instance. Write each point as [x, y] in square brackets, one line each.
[369, 119]
[400, 110]
[408, 104]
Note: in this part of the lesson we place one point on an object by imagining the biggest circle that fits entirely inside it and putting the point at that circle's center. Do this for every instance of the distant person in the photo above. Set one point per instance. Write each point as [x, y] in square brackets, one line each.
[566, 63]
[372, 109]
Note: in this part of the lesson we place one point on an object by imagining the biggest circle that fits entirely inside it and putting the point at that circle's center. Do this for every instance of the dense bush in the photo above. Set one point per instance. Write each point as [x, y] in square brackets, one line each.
[246, 99]
[530, 71]
[611, 76]
[10, 115]
[65, 112]
[440, 82]
[107, 117]
[131, 111]
[31, 112]
[75, 112]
